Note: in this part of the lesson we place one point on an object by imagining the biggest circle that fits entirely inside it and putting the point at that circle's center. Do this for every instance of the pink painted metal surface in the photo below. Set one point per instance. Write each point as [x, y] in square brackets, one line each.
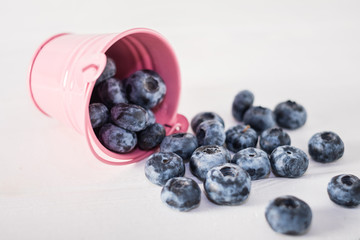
[64, 69]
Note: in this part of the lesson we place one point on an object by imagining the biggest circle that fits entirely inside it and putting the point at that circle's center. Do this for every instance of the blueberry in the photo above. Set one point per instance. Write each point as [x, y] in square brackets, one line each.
[145, 88]
[242, 102]
[160, 167]
[151, 117]
[227, 184]
[183, 144]
[109, 71]
[210, 132]
[206, 157]
[203, 116]
[288, 161]
[288, 215]
[259, 118]
[254, 161]
[129, 116]
[344, 190]
[99, 114]
[117, 139]
[111, 92]
[326, 147]
[181, 194]
[151, 136]
[272, 138]
[290, 115]
[240, 137]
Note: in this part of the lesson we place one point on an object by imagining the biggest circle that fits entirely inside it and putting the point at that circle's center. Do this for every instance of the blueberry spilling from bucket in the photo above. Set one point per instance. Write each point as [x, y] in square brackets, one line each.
[151, 136]
[129, 116]
[145, 88]
[117, 139]
[121, 111]
[99, 114]
[204, 116]
[111, 92]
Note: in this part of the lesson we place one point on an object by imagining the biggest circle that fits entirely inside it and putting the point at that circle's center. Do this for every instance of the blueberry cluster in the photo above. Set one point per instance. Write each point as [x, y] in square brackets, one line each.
[258, 124]
[227, 161]
[120, 110]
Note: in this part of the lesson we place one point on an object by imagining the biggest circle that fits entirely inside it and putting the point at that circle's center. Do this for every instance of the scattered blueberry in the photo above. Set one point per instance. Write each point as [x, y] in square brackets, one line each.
[227, 184]
[109, 71]
[254, 161]
[203, 116]
[242, 102]
[129, 116]
[99, 114]
[151, 117]
[117, 139]
[160, 167]
[145, 88]
[240, 137]
[181, 193]
[111, 92]
[183, 144]
[326, 147]
[290, 115]
[272, 138]
[210, 132]
[151, 136]
[206, 157]
[259, 118]
[288, 161]
[288, 215]
[344, 190]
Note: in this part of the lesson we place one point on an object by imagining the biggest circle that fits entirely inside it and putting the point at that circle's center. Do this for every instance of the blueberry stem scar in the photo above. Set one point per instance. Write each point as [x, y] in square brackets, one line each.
[246, 128]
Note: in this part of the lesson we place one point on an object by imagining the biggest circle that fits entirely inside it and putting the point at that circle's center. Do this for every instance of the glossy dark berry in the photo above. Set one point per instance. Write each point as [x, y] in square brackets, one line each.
[210, 132]
[259, 118]
[181, 194]
[240, 137]
[344, 190]
[326, 147]
[254, 161]
[227, 184]
[272, 138]
[289, 215]
[129, 116]
[111, 92]
[206, 157]
[288, 161]
[117, 139]
[109, 71]
[145, 88]
[290, 115]
[242, 102]
[183, 144]
[203, 116]
[151, 136]
[99, 114]
[160, 167]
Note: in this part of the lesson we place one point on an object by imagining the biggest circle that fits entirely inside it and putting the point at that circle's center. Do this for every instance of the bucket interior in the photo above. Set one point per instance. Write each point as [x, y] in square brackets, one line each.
[143, 50]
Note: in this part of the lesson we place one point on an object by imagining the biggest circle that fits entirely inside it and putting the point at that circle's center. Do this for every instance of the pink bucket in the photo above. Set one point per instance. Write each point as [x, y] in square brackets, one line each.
[64, 70]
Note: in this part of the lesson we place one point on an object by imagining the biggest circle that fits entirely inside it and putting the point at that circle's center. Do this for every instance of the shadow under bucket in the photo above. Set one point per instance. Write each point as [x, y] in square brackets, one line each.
[65, 68]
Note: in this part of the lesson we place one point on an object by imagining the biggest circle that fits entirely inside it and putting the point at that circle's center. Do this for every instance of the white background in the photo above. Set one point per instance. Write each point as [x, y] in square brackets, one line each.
[51, 187]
